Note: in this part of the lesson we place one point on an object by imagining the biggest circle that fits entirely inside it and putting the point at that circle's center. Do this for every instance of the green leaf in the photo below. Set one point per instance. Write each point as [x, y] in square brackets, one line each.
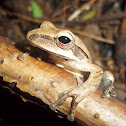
[90, 15]
[36, 10]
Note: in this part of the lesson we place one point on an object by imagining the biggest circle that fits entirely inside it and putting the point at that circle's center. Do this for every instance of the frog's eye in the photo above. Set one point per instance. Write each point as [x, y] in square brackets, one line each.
[65, 39]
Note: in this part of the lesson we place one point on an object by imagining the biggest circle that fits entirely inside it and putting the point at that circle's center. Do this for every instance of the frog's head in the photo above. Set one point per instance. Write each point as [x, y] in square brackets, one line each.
[52, 39]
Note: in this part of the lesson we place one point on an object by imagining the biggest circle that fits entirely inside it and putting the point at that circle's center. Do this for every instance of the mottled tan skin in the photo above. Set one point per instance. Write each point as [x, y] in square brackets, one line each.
[76, 60]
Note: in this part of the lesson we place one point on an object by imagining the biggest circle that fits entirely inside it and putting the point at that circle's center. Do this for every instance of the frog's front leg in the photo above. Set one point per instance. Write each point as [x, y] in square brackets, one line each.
[60, 100]
[108, 80]
[82, 91]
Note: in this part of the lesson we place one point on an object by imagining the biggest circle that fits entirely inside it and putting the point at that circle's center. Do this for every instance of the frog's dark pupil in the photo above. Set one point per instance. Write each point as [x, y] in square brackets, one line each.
[64, 39]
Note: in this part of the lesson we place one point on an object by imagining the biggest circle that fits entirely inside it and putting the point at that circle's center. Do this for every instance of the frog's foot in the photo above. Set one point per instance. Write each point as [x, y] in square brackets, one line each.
[71, 117]
[108, 80]
[110, 91]
[54, 105]
[59, 102]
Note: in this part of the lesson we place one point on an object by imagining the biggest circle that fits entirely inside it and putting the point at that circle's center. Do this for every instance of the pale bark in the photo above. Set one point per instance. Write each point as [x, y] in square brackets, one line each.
[46, 81]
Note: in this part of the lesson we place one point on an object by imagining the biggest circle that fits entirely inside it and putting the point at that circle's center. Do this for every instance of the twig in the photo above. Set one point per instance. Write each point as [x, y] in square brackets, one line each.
[78, 11]
[92, 36]
[104, 18]
[121, 45]
[59, 12]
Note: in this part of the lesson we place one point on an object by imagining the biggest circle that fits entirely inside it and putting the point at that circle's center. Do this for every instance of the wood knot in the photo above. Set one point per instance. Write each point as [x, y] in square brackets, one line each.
[54, 84]
[97, 115]
[1, 61]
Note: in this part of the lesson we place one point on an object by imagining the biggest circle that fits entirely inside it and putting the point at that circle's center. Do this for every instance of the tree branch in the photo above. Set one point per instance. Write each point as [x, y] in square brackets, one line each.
[46, 81]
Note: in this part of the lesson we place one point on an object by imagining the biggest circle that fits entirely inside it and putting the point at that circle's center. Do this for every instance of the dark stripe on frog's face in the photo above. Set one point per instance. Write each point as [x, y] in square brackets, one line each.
[79, 52]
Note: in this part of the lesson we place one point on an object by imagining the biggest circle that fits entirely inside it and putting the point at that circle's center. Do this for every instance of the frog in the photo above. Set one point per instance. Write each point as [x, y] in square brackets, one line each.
[69, 52]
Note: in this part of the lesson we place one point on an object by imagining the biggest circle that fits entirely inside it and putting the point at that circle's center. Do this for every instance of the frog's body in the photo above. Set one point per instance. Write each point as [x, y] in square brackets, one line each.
[70, 53]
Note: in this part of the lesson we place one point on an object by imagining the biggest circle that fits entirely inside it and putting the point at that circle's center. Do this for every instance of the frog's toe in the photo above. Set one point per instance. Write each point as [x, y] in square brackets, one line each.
[104, 95]
[70, 117]
[52, 107]
[108, 93]
[112, 92]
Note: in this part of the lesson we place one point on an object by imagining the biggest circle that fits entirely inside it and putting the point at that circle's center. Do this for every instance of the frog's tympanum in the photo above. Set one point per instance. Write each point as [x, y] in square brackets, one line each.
[70, 53]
